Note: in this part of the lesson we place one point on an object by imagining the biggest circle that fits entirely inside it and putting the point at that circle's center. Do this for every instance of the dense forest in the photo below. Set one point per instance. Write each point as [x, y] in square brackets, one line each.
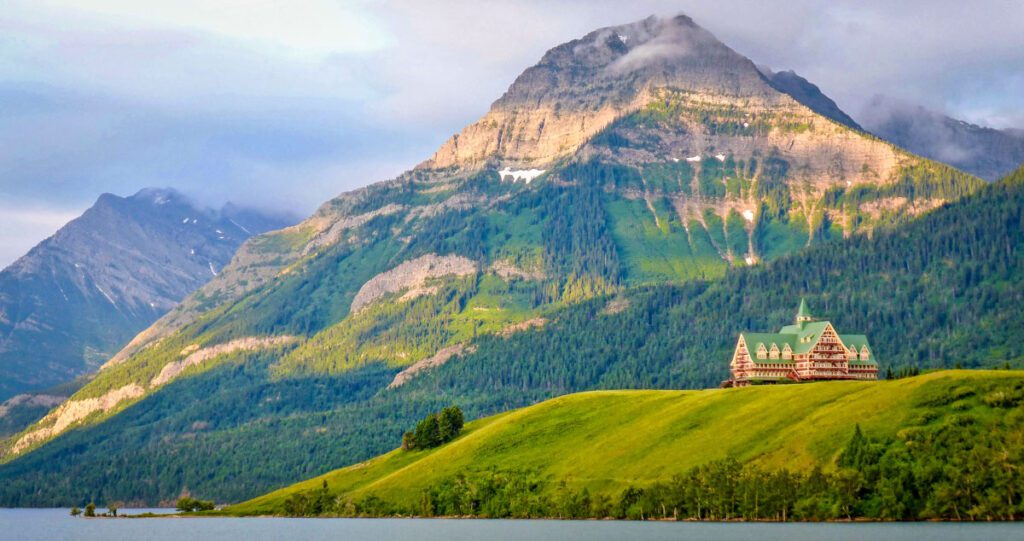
[942, 290]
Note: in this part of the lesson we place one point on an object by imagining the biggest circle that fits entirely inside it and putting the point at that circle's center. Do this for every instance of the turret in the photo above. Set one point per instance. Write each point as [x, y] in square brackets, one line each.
[803, 315]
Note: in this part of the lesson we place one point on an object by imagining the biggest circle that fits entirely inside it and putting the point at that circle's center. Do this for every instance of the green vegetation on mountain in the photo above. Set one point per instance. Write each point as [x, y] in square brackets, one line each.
[943, 290]
[944, 445]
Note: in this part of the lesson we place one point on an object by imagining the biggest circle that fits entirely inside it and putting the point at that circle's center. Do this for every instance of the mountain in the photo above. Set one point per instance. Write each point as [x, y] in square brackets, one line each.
[808, 94]
[532, 254]
[985, 152]
[77, 297]
[594, 447]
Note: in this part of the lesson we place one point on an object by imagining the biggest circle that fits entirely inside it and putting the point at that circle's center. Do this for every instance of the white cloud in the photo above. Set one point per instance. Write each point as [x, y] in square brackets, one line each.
[311, 27]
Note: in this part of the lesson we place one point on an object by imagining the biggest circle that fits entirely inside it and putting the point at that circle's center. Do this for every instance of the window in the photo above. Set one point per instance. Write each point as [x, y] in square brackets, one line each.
[774, 353]
[864, 354]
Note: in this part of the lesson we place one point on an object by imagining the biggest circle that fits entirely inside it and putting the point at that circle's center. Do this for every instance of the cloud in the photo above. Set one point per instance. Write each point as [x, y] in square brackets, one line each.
[662, 40]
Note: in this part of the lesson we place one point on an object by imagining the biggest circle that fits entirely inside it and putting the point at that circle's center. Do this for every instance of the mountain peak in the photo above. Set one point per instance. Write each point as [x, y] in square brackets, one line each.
[159, 196]
[580, 87]
[653, 46]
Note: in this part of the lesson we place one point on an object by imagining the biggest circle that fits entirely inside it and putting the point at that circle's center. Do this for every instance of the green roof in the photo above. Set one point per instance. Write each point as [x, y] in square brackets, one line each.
[801, 338]
[803, 312]
[855, 340]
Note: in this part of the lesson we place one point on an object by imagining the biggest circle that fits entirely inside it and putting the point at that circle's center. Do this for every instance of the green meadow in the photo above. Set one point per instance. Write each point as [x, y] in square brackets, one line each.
[606, 441]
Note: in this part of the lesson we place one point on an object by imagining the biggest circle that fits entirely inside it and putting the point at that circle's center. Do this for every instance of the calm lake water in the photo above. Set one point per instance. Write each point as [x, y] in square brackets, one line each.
[56, 524]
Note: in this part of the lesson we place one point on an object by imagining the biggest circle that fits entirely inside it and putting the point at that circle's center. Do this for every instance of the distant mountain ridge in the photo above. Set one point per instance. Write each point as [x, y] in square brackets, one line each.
[985, 152]
[78, 296]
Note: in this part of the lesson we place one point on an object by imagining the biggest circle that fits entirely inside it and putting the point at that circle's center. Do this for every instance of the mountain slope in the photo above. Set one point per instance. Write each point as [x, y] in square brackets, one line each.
[607, 441]
[810, 95]
[944, 289]
[655, 156]
[80, 295]
[985, 152]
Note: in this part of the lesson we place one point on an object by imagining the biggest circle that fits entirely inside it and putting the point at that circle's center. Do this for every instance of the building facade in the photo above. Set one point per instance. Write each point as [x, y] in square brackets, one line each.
[808, 350]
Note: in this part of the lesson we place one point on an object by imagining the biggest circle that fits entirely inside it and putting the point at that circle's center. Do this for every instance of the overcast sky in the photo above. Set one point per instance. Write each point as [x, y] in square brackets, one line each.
[288, 103]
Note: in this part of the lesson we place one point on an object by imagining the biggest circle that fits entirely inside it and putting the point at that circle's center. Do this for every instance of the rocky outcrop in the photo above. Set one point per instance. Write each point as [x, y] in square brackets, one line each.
[438, 359]
[333, 233]
[534, 323]
[412, 276]
[197, 356]
[508, 271]
[30, 400]
[616, 306]
[20, 411]
[73, 411]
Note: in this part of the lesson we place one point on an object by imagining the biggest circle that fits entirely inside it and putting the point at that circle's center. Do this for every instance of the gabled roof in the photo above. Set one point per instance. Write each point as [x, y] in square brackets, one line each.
[802, 338]
[855, 340]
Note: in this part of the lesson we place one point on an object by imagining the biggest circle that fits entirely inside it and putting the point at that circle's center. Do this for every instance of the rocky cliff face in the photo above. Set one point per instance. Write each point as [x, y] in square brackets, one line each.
[78, 296]
[580, 87]
[809, 95]
[988, 153]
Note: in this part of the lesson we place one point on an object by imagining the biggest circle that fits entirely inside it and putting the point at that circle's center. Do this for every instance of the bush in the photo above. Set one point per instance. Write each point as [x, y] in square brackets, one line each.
[190, 505]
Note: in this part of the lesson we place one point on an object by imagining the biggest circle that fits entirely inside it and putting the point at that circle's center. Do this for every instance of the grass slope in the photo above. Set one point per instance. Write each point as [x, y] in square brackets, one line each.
[605, 441]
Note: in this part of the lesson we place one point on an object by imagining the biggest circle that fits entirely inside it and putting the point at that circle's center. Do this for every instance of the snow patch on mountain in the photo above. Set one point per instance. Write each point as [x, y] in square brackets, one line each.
[526, 175]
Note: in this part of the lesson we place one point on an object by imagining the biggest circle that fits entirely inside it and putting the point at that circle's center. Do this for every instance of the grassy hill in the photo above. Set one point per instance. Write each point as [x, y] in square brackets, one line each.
[606, 441]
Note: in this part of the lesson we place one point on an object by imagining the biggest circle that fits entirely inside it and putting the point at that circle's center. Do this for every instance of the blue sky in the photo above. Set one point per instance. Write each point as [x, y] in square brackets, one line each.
[286, 104]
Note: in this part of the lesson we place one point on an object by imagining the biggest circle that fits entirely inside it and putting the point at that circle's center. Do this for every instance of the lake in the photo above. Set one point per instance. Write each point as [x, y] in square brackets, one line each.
[56, 524]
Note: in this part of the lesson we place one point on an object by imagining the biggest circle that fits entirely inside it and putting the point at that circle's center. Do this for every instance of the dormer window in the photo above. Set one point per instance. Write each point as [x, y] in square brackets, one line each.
[787, 352]
[851, 353]
[762, 352]
[774, 352]
[864, 353]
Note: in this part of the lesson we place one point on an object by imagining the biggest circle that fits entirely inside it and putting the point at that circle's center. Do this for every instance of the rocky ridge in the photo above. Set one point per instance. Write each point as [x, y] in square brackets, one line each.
[78, 296]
